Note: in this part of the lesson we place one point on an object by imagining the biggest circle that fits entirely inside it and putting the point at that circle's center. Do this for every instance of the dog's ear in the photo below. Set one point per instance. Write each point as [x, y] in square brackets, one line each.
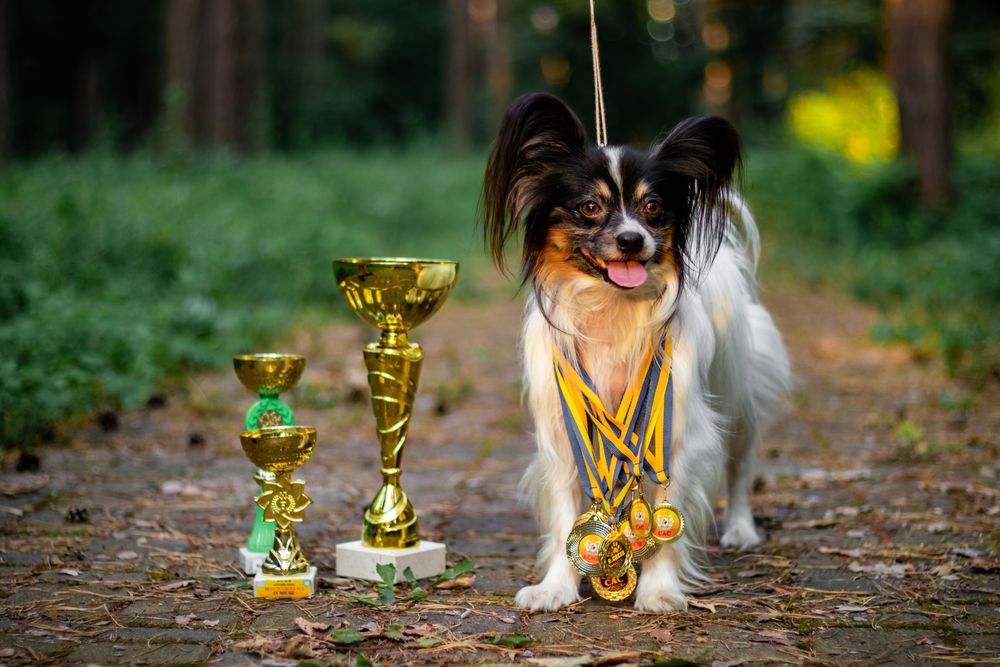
[702, 156]
[538, 133]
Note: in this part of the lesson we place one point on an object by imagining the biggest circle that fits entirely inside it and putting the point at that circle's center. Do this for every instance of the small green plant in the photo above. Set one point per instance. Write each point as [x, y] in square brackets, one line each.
[387, 588]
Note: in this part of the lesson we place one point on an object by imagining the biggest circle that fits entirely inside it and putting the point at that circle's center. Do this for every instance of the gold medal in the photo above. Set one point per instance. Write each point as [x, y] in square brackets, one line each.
[668, 523]
[642, 547]
[585, 542]
[615, 555]
[618, 588]
[639, 513]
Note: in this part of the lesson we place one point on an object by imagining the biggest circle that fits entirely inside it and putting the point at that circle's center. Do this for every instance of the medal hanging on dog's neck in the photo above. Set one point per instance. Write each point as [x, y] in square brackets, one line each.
[612, 453]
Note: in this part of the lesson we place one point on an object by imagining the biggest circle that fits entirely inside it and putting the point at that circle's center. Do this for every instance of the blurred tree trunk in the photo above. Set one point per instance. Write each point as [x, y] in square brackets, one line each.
[918, 64]
[215, 64]
[498, 61]
[5, 82]
[458, 73]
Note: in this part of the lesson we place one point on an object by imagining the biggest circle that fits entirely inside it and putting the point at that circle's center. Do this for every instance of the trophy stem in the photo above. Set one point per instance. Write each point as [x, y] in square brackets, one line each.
[285, 556]
[262, 534]
[393, 373]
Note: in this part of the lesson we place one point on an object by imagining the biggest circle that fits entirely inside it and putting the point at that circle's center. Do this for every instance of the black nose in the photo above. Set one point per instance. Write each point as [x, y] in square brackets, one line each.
[630, 242]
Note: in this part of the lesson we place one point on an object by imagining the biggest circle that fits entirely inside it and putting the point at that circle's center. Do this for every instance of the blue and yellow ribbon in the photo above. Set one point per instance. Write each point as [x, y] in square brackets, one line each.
[612, 450]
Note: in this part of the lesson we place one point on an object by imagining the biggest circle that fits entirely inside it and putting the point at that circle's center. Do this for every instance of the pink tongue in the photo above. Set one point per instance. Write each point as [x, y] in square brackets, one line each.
[626, 274]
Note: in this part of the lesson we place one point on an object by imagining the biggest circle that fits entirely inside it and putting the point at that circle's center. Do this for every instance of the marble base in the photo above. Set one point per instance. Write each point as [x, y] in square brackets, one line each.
[290, 586]
[358, 561]
[250, 561]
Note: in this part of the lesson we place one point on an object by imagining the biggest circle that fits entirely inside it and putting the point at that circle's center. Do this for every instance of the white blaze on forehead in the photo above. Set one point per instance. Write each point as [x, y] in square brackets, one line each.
[614, 154]
[629, 223]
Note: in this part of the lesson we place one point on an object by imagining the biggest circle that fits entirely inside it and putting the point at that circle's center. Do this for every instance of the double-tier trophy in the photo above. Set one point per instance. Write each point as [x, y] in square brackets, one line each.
[267, 375]
[279, 450]
[395, 295]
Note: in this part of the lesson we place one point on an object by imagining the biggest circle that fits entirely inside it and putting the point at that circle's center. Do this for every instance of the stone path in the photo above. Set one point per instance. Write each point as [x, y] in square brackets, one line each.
[877, 488]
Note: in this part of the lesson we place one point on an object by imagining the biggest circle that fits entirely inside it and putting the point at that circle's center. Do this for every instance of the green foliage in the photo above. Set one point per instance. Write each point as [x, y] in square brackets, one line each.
[932, 272]
[117, 272]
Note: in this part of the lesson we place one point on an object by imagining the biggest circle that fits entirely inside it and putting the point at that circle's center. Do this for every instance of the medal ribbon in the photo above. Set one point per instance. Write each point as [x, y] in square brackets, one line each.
[611, 450]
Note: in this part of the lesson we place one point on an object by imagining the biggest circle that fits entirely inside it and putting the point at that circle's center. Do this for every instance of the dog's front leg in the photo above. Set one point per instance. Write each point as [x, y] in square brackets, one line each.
[556, 496]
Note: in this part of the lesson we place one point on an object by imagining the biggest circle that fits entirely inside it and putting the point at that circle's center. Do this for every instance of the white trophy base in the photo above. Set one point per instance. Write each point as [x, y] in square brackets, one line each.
[287, 586]
[358, 561]
[250, 561]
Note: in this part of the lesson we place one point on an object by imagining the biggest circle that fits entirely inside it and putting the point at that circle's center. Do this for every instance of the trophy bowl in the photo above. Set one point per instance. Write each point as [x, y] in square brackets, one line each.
[269, 373]
[279, 449]
[395, 294]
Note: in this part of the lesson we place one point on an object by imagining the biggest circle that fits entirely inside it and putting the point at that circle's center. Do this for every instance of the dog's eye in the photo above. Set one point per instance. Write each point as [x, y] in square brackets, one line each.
[590, 208]
[652, 208]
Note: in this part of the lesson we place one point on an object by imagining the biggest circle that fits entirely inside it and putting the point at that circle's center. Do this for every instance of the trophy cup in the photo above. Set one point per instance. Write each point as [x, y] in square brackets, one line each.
[395, 295]
[279, 450]
[267, 375]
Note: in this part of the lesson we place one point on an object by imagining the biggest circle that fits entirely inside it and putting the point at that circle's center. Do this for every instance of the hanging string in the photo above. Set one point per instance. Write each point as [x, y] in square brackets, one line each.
[599, 120]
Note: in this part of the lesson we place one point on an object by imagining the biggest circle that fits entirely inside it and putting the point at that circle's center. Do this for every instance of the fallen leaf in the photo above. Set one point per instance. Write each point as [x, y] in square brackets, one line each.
[184, 619]
[429, 642]
[394, 632]
[173, 487]
[702, 605]
[809, 523]
[728, 663]
[662, 635]
[127, 555]
[849, 609]
[985, 565]
[7, 652]
[211, 624]
[966, 552]
[507, 619]
[311, 628]
[176, 585]
[15, 485]
[515, 641]
[347, 636]
[370, 628]
[463, 581]
[70, 572]
[619, 657]
[943, 570]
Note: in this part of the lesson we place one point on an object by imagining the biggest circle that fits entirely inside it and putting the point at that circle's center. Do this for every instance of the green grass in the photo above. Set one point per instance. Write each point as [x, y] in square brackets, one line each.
[118, 271]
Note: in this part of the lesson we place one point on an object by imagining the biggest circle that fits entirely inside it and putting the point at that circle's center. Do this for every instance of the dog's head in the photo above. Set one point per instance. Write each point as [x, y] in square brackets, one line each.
[634, 221]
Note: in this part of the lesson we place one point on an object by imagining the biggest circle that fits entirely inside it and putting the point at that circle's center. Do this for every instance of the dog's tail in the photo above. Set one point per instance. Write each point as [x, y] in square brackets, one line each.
[741, 233]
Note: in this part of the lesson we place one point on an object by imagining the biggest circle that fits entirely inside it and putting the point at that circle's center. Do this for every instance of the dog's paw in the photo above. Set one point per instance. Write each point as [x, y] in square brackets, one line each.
[545, 597]
[660, 599]
[741, 535]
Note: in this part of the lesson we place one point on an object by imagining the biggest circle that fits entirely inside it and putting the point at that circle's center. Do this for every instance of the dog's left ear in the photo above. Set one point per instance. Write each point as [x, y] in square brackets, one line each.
[702, 155]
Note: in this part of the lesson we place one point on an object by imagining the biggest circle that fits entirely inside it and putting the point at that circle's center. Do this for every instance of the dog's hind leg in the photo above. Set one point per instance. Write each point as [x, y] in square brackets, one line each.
[738, 525]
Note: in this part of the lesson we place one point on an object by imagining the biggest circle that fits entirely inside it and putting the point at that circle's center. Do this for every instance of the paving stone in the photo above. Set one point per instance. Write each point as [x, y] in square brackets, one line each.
[162, 635]
[120, 653]
[852, 646]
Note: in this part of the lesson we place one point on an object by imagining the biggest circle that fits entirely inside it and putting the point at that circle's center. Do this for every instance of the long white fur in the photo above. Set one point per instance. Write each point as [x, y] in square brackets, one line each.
[730, 373]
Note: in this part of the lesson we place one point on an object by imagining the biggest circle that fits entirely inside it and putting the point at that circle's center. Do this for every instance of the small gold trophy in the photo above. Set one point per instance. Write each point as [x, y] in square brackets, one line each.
[279, 450]
[267, 375]
[395, 295]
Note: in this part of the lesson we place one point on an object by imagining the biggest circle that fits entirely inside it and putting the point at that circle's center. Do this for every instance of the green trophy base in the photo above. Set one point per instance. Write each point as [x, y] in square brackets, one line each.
[285, 586]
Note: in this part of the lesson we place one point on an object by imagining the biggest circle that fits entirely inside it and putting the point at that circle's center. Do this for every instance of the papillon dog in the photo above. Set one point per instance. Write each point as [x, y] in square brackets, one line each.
[619, 246]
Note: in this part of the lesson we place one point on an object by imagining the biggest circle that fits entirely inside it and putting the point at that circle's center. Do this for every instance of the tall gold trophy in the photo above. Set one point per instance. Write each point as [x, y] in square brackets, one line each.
[279, 450]
[395, 295]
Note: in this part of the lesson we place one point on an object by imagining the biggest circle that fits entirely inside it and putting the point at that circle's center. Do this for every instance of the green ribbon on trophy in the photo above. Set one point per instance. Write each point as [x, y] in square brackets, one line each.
[612, 453]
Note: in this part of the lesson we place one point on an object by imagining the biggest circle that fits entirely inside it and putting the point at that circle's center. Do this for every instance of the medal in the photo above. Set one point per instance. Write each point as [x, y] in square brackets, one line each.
[615, 589]
[639, 513]
[615, 556]
[668, 522]
[585, 542]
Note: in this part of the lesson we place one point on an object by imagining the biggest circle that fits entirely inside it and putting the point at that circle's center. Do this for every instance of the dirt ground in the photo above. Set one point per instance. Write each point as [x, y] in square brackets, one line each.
[877, 488]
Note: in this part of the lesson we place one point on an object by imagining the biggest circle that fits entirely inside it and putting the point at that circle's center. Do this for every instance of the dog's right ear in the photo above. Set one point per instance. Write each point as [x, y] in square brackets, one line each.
[538, 133]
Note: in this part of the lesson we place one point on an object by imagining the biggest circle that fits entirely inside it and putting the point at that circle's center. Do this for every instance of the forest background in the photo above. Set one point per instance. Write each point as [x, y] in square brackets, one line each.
[175, 175]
